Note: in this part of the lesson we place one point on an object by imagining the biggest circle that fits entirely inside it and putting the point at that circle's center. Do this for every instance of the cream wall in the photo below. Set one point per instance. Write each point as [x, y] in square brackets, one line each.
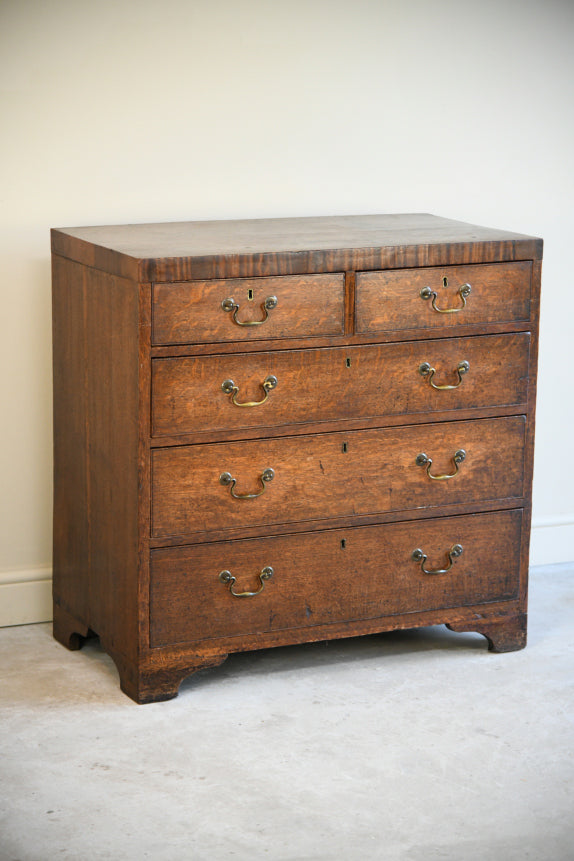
[192, 109]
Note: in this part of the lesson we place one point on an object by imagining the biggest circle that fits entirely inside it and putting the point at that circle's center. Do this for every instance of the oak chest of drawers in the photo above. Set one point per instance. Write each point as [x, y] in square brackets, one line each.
[277, 431]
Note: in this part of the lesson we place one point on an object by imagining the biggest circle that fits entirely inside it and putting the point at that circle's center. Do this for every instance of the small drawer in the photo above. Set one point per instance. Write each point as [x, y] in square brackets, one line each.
[445, 296]
[255, 483]
[253, 390]
[334, 576]
[247, 309]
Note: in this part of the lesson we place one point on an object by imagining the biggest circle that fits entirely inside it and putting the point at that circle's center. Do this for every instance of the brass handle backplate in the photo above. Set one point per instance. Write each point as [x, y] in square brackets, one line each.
[463, 291]
[423, 459]
[231, 305]
[454, 552]
[227, 480]
[231, 389]
[228, 578]
[426, 370]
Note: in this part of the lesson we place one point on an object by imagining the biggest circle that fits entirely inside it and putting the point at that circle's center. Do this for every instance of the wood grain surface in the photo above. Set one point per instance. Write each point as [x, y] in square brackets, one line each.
[182, 251]
[333, 576]
[337, 383]
[96, 469]
[391, 300]
[334, 475]
[191, 312]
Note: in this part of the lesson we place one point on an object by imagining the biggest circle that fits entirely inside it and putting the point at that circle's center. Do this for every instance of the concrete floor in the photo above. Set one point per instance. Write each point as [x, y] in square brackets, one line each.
[413, 745]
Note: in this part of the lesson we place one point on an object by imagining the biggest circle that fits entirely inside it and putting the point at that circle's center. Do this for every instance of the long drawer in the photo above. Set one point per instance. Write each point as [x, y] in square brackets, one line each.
[247, 309]
[250, 390]
[283, 480]
[332, 576]
[435, 297]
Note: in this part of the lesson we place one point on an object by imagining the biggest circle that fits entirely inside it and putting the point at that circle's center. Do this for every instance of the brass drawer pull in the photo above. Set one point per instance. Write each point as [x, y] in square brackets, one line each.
[454, 552]
[228, 578]
[423, 459]
[227, 480]
[426, 370]
[229, 387]
[231, 305]
[463, 291]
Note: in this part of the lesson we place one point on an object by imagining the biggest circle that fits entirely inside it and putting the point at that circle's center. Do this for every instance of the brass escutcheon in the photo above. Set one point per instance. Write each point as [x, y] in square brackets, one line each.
[426, 370]
[454, 552]
[423, 459]
[231, 389]
[463, 291]
[228, 578]
[227, 480]
[231, 305]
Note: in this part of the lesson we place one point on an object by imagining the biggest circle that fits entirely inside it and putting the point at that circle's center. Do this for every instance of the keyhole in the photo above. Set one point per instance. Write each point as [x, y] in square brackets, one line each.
[445, 281]
[343, 543]
[250, 295]
[345, 448]
[348, 363]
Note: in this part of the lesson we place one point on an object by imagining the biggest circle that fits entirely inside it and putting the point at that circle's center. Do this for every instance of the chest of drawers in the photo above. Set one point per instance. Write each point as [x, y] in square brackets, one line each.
[281, 431]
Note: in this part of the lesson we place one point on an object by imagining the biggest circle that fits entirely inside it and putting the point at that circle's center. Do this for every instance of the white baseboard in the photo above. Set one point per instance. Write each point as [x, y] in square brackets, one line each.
[552, 540]
[26, 596]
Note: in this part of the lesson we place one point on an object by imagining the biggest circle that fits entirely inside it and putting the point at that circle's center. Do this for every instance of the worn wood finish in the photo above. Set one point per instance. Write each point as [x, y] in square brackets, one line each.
[287, 246]
[307, 305]
[333, 576]
[530, 433]
[505, 633]
[95, 562]
[335, 475]
[500, 618]
[391, 300]
[331, 426]
[71, 529]
[158, 680]
[143, 431]
[221, 531]
[347, 340]
[335, 383]
[68, 629]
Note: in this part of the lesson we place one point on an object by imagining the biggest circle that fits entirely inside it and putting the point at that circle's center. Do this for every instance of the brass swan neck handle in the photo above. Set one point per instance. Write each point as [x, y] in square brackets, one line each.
[230, 305]
[454, 552]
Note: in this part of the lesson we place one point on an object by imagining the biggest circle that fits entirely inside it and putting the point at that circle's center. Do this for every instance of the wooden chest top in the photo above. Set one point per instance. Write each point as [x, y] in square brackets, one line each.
[229, 249]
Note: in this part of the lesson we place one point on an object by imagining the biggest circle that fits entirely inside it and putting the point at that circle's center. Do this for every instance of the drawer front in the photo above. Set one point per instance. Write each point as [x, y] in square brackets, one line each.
[247, 309]
[335, 576]
[337, 383]
[391, 300]
[334, 475]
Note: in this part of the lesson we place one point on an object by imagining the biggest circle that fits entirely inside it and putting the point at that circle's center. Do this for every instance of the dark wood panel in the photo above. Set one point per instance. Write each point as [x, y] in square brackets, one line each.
[192, 312]
[334, 475]
[335, 426]
[222, 532]
[391, 300]
[336, 383]
[71, 530]
[261, 247]
[144, 463]
[112, 350]
[530, 432]
[332, 577]
[96, 321]
[174, 350]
